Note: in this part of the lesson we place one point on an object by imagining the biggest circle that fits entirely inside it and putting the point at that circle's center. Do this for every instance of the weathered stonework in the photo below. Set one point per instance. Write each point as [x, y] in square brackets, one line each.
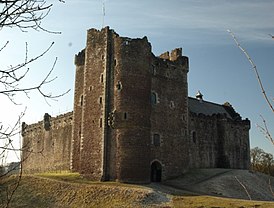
[133, 120]
[47, 144]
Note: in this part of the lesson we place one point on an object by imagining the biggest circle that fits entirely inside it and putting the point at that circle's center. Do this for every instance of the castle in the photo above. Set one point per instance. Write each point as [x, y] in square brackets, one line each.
[133, 120]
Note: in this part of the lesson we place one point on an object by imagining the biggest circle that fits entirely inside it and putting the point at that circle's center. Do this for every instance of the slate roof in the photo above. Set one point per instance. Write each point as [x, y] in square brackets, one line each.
[209, 108]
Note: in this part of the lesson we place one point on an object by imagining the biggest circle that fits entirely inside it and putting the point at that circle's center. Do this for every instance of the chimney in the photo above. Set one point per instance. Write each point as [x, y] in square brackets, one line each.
[199, 96]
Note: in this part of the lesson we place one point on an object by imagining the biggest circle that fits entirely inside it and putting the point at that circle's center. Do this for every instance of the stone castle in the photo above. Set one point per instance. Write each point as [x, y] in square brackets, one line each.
[133, 120]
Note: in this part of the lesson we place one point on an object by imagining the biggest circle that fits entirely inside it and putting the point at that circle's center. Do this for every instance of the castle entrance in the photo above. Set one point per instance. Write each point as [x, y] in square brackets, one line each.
[156, 172]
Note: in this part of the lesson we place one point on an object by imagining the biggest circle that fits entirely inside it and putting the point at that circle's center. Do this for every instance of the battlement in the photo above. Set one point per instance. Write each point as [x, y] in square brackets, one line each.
[173, 60]
[218, 116]
[173, 56]
[79, 59]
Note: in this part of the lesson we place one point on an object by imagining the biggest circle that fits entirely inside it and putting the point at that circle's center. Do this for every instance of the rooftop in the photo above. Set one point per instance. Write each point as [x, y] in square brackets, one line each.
[199, 106]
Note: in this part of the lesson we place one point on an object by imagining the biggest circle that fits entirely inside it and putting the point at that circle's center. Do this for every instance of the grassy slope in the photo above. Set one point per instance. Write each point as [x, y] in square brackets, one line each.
[70, 190]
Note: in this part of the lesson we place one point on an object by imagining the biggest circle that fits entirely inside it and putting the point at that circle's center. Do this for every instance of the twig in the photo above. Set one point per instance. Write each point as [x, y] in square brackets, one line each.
[254, 68]
[246, 191]
[265, 131]
[270, 187]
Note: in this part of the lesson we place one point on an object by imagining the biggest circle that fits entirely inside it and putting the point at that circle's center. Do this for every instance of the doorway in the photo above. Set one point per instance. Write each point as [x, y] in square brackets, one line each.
[156, 172]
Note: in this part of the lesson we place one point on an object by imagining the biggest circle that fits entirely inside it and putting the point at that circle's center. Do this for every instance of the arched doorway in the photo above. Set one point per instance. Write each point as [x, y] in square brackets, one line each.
[156, 172]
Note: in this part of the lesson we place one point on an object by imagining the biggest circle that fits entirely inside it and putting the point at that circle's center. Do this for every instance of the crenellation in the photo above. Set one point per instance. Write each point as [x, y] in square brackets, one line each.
[79, 59]
[175, 54]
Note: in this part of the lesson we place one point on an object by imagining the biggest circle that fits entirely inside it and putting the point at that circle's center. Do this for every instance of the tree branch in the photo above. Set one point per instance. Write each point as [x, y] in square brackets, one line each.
[254, 67]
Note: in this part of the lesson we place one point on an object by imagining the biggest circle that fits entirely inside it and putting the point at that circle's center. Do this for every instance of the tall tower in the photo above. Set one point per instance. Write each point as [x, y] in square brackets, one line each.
[169, 116]
[111, 132]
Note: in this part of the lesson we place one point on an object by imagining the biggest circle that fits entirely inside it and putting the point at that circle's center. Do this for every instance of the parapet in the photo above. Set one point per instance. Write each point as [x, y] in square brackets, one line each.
[48, 123]
[79, 59]
[173, 56]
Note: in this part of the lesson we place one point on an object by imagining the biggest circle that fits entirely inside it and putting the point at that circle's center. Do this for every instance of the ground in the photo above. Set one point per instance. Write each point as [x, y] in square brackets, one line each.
[204, 188]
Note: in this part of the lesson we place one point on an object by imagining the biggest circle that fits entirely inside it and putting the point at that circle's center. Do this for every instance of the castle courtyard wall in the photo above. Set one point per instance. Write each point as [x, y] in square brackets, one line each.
[218, 142]
[47, 144]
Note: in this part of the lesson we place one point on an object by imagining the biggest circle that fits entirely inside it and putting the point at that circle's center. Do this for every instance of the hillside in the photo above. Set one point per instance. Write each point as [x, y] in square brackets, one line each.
[227, 183]
[200, 188]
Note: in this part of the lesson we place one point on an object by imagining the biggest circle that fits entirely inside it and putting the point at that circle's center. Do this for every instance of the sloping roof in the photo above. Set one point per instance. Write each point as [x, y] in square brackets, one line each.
[209, 108]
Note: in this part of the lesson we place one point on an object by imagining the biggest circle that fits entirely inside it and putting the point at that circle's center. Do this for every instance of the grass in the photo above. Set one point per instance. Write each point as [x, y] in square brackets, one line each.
[70, 190]
[77, 178]
[217, 202]
[63, 176]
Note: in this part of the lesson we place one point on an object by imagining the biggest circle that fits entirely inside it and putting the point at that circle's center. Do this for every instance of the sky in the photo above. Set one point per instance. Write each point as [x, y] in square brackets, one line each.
[217, 67]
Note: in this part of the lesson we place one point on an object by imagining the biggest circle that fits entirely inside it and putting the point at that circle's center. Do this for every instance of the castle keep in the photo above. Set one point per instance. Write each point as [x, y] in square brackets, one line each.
[133, 120]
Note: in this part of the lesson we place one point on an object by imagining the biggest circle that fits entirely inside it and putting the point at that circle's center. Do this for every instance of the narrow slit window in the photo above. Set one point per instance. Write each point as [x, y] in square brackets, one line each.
[102, 78]
[172, 105]
[194, 137]
[101, 122]
[81, 100]
[153, 70]
[153, 98]
[125, 116]
[156, 140]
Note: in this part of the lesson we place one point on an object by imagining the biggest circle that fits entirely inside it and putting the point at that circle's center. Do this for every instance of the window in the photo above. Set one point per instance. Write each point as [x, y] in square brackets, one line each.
[102, 78]
[101, 122]
[153, 70]
[119, 86]
[125, 116]
[156, 140]
[81, 100]
[194, 137]
[100, 100]
[172, 105]
[153, 98]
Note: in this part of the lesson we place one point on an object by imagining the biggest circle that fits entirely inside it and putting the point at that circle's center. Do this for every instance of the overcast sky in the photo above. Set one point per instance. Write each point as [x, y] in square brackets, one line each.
[217, 67]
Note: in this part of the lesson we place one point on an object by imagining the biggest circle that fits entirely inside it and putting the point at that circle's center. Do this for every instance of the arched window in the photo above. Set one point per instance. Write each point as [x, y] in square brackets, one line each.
[156, 140]
[153, 98]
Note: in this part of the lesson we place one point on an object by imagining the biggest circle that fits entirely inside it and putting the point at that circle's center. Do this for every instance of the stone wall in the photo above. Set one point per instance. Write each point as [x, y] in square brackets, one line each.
[218, 142]
[131, 119]
[47, 144]
[117, 119]
[78, 111]
[169, 113]
[132, 84]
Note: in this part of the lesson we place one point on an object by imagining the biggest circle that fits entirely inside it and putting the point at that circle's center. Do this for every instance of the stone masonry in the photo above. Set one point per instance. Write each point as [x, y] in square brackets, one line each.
[133, 120]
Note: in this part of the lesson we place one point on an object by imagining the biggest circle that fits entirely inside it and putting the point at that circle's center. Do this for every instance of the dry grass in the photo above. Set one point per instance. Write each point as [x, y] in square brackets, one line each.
[217, 202]
[69, 190]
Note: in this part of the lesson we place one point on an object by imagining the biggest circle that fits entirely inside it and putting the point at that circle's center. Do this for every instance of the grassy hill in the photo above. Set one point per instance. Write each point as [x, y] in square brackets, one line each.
[67, 190]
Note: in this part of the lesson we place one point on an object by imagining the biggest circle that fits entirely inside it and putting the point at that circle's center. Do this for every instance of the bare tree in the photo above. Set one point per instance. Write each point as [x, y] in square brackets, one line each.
[263, 128]
[24, 15]
[260, 160]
